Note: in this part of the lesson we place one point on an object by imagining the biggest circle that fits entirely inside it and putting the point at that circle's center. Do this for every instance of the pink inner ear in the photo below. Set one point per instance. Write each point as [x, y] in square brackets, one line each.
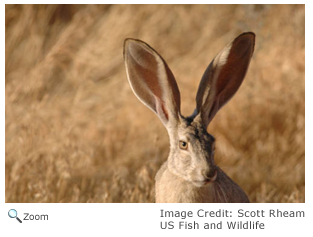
[224, 76]
[146, 68]
[152, 81]
[233, 72]
[160, 109]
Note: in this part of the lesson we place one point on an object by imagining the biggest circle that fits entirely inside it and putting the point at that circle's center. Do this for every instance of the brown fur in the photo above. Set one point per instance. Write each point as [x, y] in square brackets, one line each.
[172, 189]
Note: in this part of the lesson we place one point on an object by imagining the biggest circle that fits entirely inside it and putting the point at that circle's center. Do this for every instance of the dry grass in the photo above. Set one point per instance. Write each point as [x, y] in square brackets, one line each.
[76, 133]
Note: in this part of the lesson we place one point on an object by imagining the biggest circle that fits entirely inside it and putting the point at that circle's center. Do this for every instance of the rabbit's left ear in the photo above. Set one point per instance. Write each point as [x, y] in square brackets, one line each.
[224, 76]
[152, 81]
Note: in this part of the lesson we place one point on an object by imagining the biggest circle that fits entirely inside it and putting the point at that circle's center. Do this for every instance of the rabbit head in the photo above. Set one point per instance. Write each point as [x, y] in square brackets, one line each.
[191, 147]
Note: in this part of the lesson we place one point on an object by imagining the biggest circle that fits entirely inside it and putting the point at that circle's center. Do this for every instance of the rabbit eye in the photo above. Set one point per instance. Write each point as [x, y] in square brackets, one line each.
[183, 145]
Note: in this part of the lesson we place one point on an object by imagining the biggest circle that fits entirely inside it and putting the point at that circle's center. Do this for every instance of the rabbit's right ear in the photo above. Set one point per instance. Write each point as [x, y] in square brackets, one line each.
[224, 76]
[152, 81]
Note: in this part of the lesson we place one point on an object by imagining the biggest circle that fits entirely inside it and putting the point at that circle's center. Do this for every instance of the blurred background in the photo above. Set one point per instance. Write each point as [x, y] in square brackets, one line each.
[75, 132]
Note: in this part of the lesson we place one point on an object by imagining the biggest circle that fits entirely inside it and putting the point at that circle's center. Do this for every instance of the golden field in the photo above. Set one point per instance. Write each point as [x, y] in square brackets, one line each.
[75, 132]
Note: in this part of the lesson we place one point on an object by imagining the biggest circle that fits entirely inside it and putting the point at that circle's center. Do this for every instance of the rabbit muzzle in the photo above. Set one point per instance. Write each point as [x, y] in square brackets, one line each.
[210, 176]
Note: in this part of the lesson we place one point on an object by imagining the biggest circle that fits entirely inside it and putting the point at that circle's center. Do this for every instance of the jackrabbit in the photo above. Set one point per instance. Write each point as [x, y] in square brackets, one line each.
[190, 174]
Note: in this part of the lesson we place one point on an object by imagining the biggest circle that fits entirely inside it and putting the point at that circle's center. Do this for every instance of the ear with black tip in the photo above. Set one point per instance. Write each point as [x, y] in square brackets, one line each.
[224, 76]
[152, 81]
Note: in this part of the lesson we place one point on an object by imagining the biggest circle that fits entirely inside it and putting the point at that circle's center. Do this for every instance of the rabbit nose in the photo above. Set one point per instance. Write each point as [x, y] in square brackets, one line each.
[210, 175]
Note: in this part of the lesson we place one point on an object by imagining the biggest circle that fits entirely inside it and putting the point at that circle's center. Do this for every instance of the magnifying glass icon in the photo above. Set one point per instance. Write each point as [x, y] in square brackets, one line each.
[13, 214]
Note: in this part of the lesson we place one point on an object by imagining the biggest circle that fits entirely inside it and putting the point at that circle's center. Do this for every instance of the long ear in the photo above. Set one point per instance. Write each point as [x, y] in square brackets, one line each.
[152, 81]
[224, 76]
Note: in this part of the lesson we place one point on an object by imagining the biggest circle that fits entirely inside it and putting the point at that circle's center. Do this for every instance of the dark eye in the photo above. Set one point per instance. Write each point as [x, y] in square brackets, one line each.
[183, 145]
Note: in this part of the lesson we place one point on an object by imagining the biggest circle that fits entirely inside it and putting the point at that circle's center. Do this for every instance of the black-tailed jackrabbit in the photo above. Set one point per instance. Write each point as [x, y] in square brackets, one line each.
[190, 174]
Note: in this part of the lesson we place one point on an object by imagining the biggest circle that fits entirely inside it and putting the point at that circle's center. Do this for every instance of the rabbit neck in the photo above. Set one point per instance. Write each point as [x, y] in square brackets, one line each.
[172, 189]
